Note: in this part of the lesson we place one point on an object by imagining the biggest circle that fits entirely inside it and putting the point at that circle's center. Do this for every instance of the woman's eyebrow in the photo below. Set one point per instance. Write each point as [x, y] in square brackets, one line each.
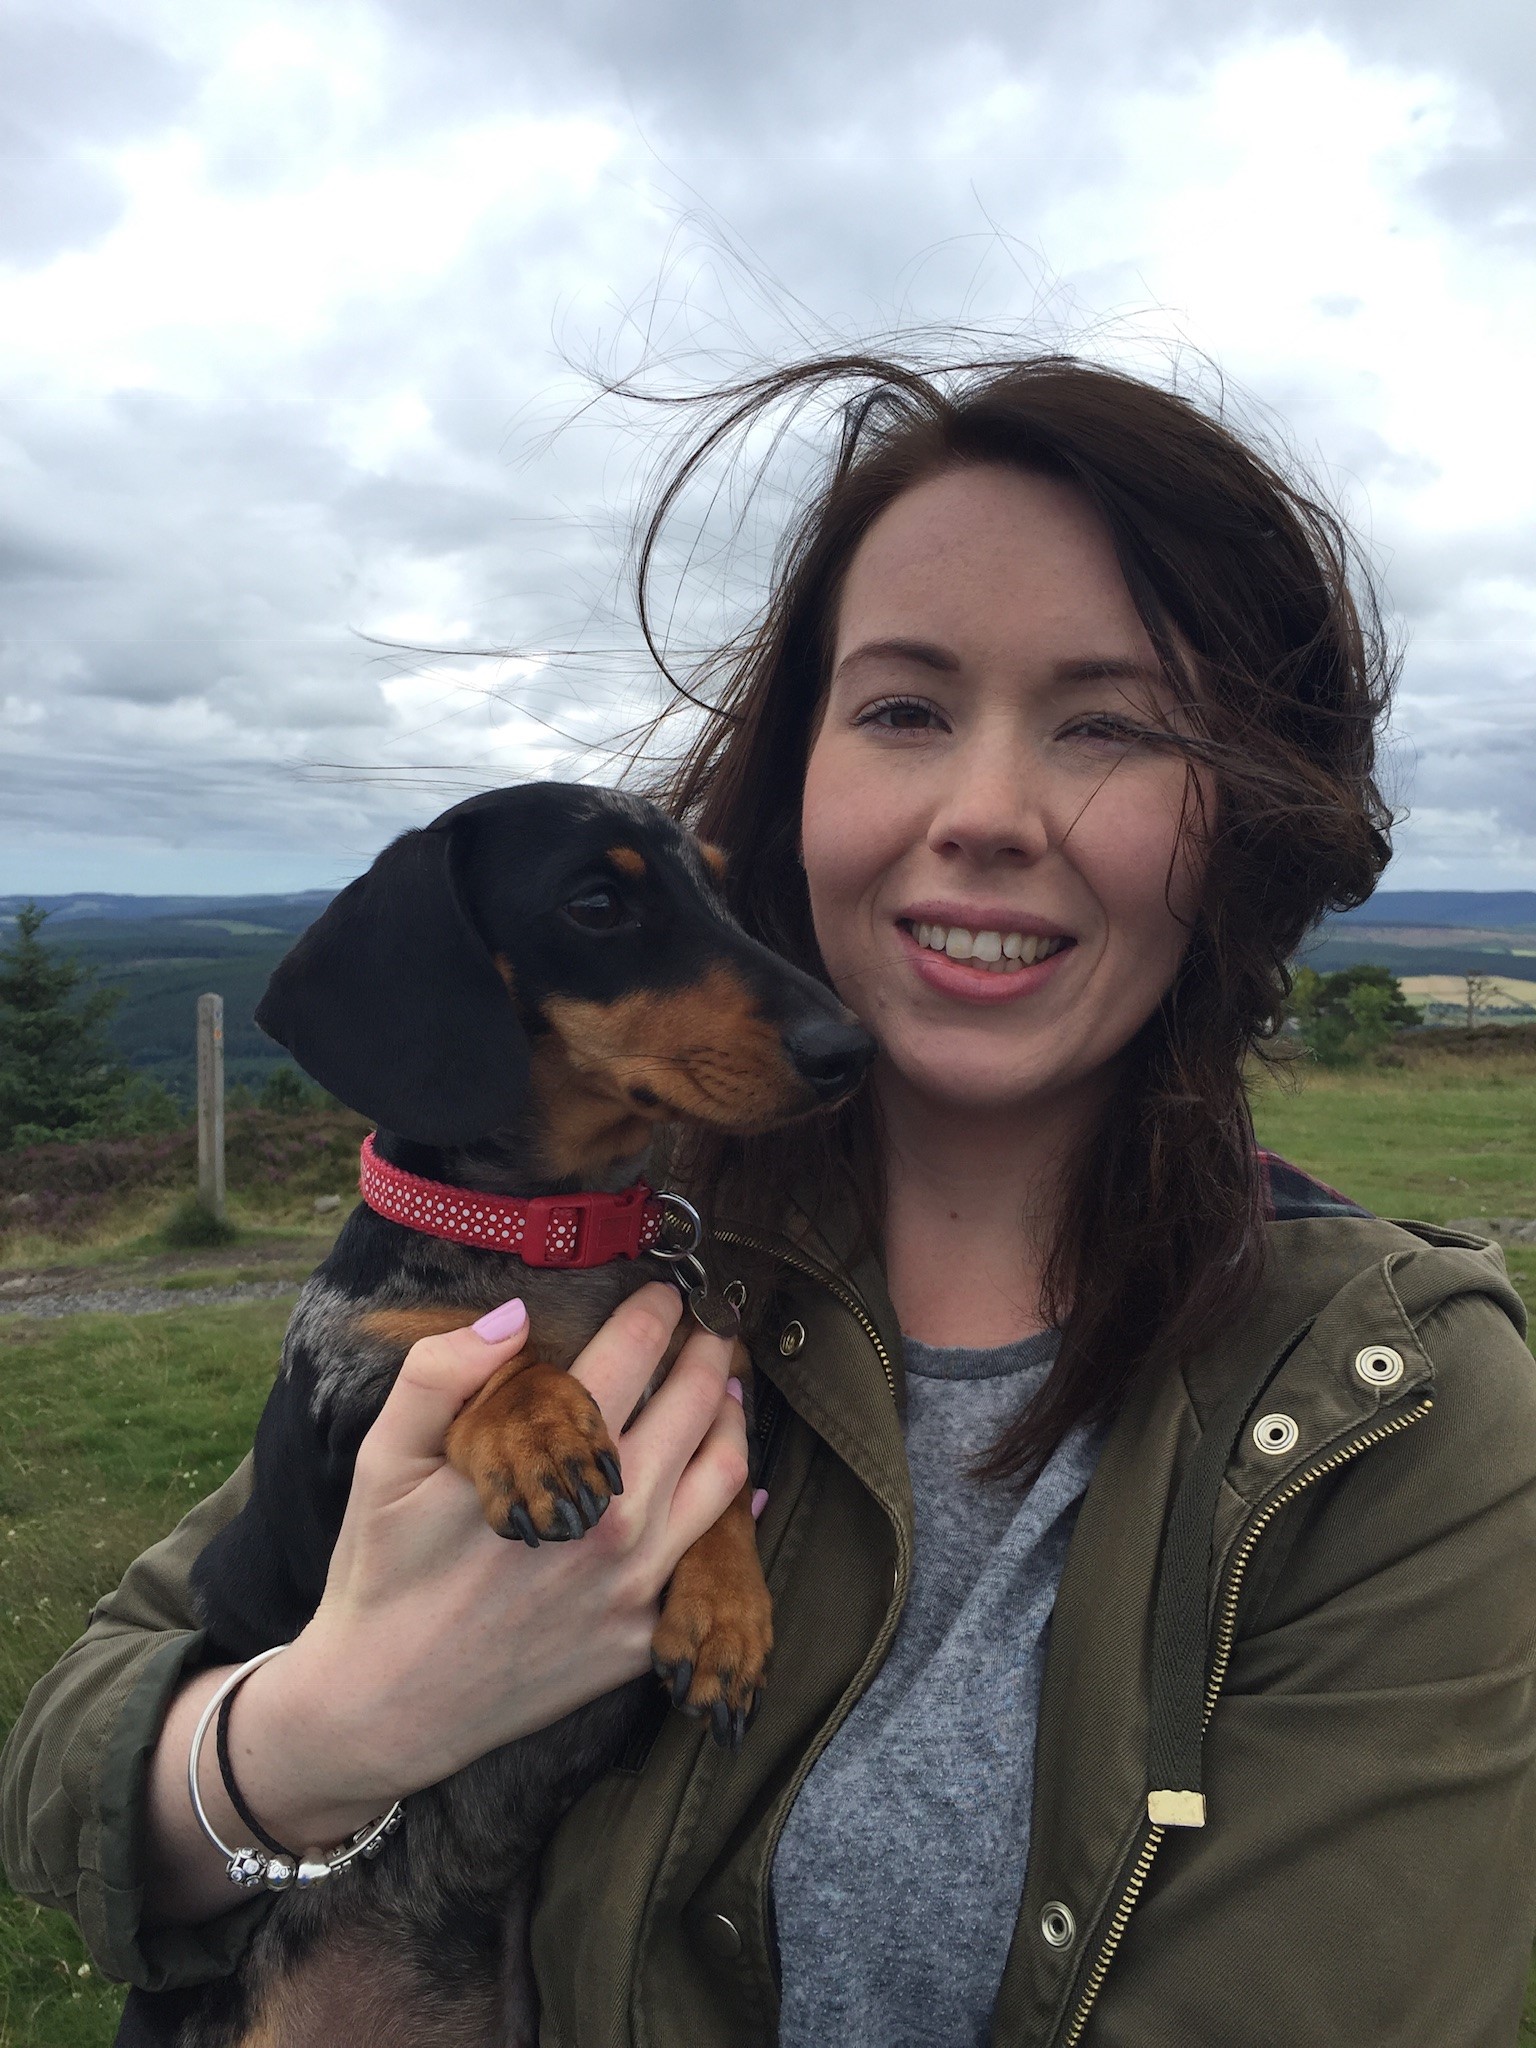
[1108, 669]
[1088, 668]
[923, 652]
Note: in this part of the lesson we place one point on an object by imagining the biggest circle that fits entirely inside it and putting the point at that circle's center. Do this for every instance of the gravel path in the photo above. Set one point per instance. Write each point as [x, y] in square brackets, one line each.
[42, 1298]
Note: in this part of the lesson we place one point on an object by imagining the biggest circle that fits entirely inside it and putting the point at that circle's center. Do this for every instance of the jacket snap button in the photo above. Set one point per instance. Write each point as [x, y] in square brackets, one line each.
[1057, 1924]
[1379, 1365]
[1275, 1435]
[722, 1937]
[791, 1337]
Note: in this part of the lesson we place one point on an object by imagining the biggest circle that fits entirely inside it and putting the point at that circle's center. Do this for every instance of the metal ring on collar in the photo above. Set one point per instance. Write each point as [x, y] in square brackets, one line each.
[678, 1210]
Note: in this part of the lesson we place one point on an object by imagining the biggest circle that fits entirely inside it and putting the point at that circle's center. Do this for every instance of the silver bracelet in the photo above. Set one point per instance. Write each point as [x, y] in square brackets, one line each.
[252, 1868]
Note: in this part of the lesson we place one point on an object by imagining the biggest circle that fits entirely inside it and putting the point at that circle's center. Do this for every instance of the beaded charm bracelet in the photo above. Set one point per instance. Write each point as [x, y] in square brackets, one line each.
[272, 1868]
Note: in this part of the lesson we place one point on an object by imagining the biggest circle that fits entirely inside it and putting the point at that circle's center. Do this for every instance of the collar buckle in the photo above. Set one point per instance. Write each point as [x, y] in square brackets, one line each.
[588, 1229]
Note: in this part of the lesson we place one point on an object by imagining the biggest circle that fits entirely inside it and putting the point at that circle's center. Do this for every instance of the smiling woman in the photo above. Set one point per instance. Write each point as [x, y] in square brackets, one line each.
[1124, 679]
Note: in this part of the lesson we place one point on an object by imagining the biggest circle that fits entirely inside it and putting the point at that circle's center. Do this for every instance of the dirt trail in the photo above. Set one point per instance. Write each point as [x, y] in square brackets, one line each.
[45, 1296]
[151, 1285]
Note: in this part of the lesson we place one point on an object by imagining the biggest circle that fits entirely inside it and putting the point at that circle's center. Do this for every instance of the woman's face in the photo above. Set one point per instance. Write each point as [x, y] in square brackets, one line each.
[997, 873]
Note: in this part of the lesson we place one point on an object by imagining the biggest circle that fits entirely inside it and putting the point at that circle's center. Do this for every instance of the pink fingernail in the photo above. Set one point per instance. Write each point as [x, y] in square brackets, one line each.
[733, 1388]
[759, 1502]
[501, 1323]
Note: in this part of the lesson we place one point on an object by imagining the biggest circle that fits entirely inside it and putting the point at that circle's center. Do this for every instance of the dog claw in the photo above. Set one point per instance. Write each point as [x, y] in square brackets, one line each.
[720, 1723]
[571, 1524]
[591, 1507]
[608, 1465]
[682, 1678]
[520, 1523]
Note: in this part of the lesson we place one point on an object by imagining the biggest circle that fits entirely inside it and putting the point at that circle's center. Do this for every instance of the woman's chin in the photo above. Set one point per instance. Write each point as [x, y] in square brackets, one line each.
[977, 1088]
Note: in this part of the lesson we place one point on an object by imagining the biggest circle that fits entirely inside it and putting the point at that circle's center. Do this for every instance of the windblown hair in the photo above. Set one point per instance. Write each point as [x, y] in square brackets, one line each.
[1270, 638]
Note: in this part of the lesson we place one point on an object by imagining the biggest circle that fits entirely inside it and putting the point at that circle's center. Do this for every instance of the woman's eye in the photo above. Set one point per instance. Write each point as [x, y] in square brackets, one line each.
[1107, 726]
[900, 714]
[596, 910]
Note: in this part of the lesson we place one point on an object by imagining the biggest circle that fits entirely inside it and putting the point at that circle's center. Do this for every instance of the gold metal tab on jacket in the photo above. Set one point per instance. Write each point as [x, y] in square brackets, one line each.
[1176, 1809]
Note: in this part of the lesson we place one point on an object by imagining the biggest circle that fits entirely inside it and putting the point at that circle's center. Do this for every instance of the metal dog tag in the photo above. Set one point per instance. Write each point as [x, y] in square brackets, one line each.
[711, 1307]
[713, 1311]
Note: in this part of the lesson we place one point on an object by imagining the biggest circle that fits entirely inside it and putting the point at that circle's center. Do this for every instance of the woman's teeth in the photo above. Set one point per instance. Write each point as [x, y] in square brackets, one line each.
[1002, 952]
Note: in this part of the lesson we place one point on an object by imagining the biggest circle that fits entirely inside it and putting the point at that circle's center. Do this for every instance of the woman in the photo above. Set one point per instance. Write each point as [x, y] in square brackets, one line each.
[1152, 1533]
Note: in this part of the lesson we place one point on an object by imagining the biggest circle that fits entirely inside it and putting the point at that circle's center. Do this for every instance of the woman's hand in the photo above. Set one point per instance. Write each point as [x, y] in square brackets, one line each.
[437, 1640]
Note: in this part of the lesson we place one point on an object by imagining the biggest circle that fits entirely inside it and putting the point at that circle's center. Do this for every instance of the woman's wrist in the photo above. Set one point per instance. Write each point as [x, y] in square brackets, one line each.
[300, 1753]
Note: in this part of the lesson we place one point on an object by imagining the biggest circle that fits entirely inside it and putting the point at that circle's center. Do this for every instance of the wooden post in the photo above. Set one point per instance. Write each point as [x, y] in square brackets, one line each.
[210, 1103]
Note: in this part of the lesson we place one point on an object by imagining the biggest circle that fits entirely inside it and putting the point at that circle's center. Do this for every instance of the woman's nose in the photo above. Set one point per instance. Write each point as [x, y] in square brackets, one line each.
[989, 807]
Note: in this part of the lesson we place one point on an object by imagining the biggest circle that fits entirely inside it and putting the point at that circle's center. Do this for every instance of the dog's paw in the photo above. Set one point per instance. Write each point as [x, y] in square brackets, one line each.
[540, 1456]
[710, 1651]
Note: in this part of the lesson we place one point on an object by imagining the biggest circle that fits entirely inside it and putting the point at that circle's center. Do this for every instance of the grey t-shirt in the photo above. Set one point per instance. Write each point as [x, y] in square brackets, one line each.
[897, 1880]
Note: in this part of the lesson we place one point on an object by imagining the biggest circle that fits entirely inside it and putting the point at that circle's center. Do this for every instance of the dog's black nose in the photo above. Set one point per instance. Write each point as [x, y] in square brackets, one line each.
[830, 1055]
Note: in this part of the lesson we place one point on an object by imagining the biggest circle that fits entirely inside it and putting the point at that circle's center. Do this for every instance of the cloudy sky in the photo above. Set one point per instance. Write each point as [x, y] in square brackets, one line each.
[299, 305]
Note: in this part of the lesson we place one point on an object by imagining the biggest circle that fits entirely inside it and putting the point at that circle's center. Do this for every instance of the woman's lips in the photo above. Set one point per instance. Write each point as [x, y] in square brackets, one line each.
[979, 982]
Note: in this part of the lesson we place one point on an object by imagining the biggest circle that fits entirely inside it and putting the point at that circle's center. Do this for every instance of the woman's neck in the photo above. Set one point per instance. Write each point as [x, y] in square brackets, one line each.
[973, 1200]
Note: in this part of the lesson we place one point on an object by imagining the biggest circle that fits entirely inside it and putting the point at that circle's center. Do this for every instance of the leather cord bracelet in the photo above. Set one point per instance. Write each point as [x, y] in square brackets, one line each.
[232, 1791]
[272, 1867]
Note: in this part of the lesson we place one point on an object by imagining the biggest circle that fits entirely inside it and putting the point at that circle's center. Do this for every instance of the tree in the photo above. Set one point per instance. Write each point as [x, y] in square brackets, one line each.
[1479, 988]
[1349, 1015]
[288, 1093]
[58, 1076]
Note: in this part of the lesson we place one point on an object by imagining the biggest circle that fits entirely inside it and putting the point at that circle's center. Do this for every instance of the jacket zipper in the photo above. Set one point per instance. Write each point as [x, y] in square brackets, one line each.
[882, 1642]
[1226, 1631]
[834, 1287]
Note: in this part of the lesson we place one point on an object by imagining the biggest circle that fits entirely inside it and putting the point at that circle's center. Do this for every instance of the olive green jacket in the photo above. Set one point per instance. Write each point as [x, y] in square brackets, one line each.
[1300, 1600]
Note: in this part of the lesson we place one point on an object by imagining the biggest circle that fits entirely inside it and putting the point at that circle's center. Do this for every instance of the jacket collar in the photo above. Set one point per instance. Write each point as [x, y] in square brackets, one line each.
[832, 1345]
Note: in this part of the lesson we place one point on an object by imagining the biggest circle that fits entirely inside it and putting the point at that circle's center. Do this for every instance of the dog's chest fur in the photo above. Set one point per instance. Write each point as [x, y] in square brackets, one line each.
[382, 1288]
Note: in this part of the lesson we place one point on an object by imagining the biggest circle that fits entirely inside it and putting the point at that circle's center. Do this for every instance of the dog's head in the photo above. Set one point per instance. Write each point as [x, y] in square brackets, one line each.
[557, 961]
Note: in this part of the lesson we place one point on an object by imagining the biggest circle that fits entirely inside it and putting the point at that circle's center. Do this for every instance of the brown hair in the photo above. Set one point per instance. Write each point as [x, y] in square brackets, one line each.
[1160, 1241]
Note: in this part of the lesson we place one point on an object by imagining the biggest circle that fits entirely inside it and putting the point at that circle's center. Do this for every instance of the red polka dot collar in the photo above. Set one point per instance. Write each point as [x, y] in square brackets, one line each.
[542, 1230]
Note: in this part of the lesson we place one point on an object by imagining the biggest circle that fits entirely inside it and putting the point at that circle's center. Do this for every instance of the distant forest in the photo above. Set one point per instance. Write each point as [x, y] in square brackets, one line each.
[166, 951]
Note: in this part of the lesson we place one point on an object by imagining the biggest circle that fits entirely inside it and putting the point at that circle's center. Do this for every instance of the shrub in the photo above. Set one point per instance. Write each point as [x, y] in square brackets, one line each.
[1350, 1015]
[193, 1224]
[287, 1093]
[273, 1162]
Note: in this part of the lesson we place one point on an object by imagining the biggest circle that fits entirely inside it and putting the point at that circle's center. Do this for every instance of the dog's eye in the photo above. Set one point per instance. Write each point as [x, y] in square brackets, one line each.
[597, 910]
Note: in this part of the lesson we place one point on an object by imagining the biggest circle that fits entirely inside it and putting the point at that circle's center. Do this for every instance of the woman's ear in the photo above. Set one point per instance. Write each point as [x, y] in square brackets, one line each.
[391, 1001]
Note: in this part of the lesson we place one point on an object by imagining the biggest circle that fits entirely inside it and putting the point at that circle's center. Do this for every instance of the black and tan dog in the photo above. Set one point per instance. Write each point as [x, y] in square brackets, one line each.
[519, 995]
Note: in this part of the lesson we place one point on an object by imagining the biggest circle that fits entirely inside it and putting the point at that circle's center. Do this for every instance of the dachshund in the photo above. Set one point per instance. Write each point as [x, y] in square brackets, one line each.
[520, 996]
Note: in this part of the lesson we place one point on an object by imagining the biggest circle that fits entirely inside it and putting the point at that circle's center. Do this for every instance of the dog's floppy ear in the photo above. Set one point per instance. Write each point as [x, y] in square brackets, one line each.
[392, 1002]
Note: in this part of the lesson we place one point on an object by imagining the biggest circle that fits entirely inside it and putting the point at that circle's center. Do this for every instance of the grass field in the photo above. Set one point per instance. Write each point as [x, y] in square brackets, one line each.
[1440, 1139]
[110, 1427]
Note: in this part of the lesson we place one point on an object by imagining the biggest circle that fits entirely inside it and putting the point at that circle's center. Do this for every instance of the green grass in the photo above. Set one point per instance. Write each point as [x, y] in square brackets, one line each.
[1439, 1140]
[111, 1427]
[228, 1276]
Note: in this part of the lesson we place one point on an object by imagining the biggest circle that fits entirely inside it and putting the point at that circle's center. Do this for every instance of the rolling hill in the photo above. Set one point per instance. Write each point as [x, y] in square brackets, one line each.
[163, 952]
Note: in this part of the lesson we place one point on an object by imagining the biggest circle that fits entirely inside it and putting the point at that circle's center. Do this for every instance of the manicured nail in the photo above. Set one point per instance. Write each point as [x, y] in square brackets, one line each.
[501, 1323]
[733, 1388]
[759, 1502]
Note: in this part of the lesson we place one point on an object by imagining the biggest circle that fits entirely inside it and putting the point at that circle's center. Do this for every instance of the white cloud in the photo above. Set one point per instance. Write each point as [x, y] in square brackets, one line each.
[283, 375]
